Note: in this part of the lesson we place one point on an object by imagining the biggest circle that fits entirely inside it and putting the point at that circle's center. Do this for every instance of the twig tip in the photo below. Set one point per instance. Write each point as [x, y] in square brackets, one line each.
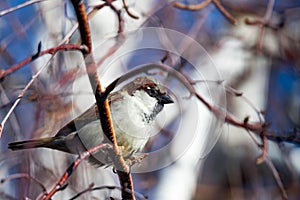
[1, 129]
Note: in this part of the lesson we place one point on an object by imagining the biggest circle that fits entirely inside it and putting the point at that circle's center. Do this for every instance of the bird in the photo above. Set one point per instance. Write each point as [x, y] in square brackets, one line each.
[133, 108]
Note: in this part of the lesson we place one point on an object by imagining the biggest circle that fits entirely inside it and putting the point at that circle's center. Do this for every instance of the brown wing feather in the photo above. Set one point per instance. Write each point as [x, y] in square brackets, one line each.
[89, 115]
[74, 125]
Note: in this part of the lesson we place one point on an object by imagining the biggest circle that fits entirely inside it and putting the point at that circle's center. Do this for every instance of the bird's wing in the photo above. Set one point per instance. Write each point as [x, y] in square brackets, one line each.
[88, 116]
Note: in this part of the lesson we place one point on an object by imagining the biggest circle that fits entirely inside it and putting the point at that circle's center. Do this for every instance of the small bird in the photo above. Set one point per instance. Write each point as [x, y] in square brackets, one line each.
[133, 109]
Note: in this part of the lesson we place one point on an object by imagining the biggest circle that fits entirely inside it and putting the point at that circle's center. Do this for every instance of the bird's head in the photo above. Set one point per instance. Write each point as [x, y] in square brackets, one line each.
[152, 88]
[151, 93]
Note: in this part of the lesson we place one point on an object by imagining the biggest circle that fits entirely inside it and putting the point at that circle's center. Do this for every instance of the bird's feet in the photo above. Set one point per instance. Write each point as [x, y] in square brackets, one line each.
[133, 159]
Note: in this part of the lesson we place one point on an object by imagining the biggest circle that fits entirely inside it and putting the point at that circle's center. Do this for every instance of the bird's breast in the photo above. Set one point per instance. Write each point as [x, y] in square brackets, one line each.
[131, 125]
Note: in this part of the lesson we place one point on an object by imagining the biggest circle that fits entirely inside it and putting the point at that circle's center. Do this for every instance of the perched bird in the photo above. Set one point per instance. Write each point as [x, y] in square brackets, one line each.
[133, 109]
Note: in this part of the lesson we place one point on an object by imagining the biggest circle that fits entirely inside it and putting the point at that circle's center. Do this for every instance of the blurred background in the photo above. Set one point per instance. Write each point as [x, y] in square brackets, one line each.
[251, 46]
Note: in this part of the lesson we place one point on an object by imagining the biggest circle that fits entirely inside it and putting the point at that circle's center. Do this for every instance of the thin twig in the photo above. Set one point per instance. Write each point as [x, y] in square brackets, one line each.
[128, 11]
[23, 175]
[264, 149]
[263, 26]
[260, 41]
[29, 59]
[90, 189]
[292, 136]
[72, 168]
[22, 5]
[13, 119]
[262, 23]
[118, 13]
[277, 178]
[269, 10]
[253, 138]
[204, 4]
[224, 12]
[195, 7]
[83, 191]
[64, 47]
[34, 77]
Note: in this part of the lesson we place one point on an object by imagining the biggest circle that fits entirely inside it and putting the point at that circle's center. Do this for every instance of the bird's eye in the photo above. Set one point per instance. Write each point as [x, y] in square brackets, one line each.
[151, 91]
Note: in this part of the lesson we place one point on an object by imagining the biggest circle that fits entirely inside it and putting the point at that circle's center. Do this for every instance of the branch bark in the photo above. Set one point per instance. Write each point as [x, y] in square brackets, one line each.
[102, 103]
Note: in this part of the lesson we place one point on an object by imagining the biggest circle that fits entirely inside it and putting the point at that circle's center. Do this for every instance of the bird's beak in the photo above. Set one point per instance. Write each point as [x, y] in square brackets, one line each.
[165, 99]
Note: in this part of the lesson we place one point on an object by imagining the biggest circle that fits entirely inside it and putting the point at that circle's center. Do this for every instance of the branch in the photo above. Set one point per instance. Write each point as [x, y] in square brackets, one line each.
[127, 10]
[264, 148]
[59, 185]
[259, 128]
[292, 136]
[27, 3]
[17, 101]
[102, 103]
[39, 53]
[262, 23]
[92, 188]
[195, 7]
[34, 77]
[118, 13]
[277, 178]
[224, 12]
[204, 4]
[23, 175]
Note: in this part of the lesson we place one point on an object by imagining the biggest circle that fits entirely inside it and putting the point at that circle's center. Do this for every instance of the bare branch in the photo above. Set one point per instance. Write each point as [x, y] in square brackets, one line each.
[72, 168]
[23, 175]
[224, 12]
[264, 149]
[102, 103]
[22, 5]
[259, 128]
[92, 188]
[204, 4]
[54, 50]
[277, 178]
[3, 122]
[195, 7]
[263, 23]
[128, 11]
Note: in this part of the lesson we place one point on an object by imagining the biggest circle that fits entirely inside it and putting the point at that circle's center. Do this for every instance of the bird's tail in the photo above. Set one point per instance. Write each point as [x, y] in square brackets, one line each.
[28, 144]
